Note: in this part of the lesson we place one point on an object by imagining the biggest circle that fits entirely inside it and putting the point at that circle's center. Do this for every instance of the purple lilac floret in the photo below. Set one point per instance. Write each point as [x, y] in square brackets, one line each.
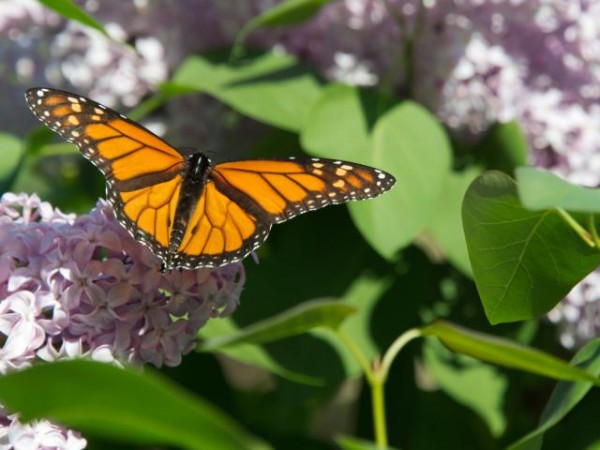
[83, 287]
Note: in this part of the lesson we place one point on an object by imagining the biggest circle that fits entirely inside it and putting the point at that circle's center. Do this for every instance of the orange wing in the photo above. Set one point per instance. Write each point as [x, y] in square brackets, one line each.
[242, 199]
[143, 173]
[280, 189]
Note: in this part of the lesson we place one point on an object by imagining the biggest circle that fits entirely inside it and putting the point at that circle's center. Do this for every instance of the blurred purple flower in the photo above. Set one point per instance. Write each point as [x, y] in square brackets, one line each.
[83, 287]
[578, 316]
[474, 62]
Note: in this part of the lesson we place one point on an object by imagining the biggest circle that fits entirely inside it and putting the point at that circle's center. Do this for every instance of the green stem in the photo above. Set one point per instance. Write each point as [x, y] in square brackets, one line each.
[582, 232]
[376, 384]
[357, 353]
[593, 230]
[394, 349]
[378, 404]
[377, 376]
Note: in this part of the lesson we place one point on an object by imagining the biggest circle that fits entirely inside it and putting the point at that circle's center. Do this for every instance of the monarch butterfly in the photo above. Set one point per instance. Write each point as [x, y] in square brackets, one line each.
[190, 212]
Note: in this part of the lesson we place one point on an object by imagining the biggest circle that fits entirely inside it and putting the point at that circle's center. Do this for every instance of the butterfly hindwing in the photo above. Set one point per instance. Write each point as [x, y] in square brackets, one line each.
[219, 231]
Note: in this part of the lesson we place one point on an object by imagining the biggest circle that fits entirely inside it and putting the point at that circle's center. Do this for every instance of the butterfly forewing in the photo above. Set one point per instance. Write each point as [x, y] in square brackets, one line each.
[143, 172]
[280, 189]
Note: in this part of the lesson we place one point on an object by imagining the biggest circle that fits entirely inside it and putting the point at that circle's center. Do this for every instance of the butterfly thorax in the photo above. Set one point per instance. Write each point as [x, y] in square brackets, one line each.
[195, 176]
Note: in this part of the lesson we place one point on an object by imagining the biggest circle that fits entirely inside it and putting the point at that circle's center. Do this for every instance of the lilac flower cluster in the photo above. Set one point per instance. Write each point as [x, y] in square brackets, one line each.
[82, 287]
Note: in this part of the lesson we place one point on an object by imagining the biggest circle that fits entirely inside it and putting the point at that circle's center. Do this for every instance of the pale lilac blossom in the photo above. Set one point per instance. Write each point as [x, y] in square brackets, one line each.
[36, 435]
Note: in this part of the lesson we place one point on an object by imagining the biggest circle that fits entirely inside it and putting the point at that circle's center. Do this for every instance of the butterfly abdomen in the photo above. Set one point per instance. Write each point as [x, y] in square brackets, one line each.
[197, 169]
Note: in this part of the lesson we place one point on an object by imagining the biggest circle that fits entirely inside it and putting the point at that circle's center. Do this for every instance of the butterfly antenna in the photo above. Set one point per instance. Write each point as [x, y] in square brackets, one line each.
[211, 154]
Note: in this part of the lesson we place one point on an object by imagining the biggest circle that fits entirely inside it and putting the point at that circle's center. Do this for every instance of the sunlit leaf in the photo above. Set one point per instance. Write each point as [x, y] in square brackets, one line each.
[409, 143]
[540, 189]
[354, 112]
[405, 141]
[273, 88]
[446, 225]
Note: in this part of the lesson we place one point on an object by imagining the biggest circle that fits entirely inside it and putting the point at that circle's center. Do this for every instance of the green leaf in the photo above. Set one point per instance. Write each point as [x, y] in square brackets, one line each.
[564, 397]
[272, 88]
[70, 10]
[352, 443]
[504, 147]
[471, 383]
[446, 224]
[57, 149]
[505, 353]
[297, 320]
[524, 262]
[540, 189]
[252, 354]
[364, 294]
[120, 404]
[408, 142]
[340, 123]
[288, 12]
[13, 151]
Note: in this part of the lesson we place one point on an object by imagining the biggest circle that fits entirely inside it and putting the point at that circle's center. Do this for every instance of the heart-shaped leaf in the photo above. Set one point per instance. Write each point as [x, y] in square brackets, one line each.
[524, 262]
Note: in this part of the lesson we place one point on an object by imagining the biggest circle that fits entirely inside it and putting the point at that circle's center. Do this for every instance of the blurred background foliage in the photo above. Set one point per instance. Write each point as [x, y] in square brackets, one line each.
[434, 93]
